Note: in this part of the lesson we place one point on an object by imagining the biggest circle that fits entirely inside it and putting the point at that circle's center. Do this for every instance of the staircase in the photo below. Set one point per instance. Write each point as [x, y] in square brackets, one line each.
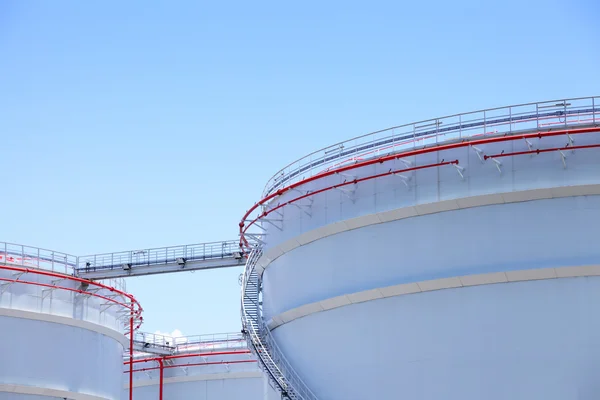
[260, 340]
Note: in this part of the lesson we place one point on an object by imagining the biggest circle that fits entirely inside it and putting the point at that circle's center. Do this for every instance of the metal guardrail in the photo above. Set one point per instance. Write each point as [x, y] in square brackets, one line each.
[47, 260]
[261, 342]
[157, 256]
[33, 257]
[511, 119]
[194, 343]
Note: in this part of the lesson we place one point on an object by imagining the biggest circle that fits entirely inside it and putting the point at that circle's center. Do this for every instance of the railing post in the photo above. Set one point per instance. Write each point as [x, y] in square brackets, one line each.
[537, 116]
[484, 123]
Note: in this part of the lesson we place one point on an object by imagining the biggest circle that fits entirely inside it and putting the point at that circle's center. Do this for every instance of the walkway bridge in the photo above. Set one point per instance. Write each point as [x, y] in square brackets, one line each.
[160, 260]
[165, 345]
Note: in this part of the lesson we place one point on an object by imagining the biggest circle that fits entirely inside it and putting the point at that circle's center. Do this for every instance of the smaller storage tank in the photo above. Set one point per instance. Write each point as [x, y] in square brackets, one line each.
[62, 336]
[205, 367]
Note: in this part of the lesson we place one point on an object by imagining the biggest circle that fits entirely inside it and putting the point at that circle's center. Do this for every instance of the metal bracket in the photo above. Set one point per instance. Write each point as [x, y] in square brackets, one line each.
[300, 207]
[479, 153]
[272, 222]
[408, 163]
[277, 212]
[497, 163]
[255, 236]
[571, 142]
[347, 176]
[405, 179]
[46, 292]
[564, 158]
[302, 192]
[530, 147]
[460, 171]
[105, 306]
[348, 193]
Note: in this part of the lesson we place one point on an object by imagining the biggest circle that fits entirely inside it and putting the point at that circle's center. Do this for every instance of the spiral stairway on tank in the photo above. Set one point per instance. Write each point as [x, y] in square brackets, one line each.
[258, 336]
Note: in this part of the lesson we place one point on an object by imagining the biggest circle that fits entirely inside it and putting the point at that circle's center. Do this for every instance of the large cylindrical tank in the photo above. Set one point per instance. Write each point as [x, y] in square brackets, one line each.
[455, 258]
[205, 367]
[62, 337]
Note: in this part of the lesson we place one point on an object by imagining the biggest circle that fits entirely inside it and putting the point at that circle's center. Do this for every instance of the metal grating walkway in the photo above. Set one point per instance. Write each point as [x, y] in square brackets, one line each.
[160, 260]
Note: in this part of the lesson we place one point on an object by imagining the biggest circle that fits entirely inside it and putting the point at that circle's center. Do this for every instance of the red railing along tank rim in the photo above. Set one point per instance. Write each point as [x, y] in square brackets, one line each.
[243, 227]
[134, 306]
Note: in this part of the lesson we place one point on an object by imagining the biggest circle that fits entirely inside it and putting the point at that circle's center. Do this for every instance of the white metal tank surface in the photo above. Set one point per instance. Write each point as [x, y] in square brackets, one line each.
[206, 367]
[62, 337]
[455, 258]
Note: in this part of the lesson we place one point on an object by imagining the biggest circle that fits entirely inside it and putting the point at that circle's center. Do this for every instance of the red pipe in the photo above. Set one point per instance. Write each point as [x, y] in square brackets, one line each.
[131, 357]
[134, 306]
[70, 277]
[449, 146]
[538, 151]
[390, 172]
[160, 382]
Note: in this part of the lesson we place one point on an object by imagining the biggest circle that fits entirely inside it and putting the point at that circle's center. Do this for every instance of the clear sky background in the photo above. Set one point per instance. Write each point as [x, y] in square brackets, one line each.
[127, 125]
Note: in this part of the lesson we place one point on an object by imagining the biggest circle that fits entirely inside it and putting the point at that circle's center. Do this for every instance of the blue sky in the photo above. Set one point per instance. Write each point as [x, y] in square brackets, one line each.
[145, 124]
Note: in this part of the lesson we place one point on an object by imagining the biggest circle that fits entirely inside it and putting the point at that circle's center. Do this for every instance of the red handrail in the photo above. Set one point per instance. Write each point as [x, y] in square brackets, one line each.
[507, 137]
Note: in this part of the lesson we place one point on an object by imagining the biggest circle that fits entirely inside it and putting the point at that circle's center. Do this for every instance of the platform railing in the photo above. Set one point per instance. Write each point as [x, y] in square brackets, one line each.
[47, 260]
[34, 257]
[186, 344]
[157, 256]
[545, 116]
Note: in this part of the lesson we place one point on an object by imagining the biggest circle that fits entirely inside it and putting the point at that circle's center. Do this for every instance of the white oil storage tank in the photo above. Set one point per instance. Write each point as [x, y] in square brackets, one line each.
[62, 336]
[202, 367]
[454, 258]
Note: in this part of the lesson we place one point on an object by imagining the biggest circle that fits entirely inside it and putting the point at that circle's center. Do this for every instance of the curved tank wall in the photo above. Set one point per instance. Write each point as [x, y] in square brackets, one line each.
[470, 283]
[203, 377]
[58, 343]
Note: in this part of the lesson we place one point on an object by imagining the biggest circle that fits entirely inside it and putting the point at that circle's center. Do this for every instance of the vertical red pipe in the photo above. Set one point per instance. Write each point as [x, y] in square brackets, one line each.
[160, 384]
[131, 357]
